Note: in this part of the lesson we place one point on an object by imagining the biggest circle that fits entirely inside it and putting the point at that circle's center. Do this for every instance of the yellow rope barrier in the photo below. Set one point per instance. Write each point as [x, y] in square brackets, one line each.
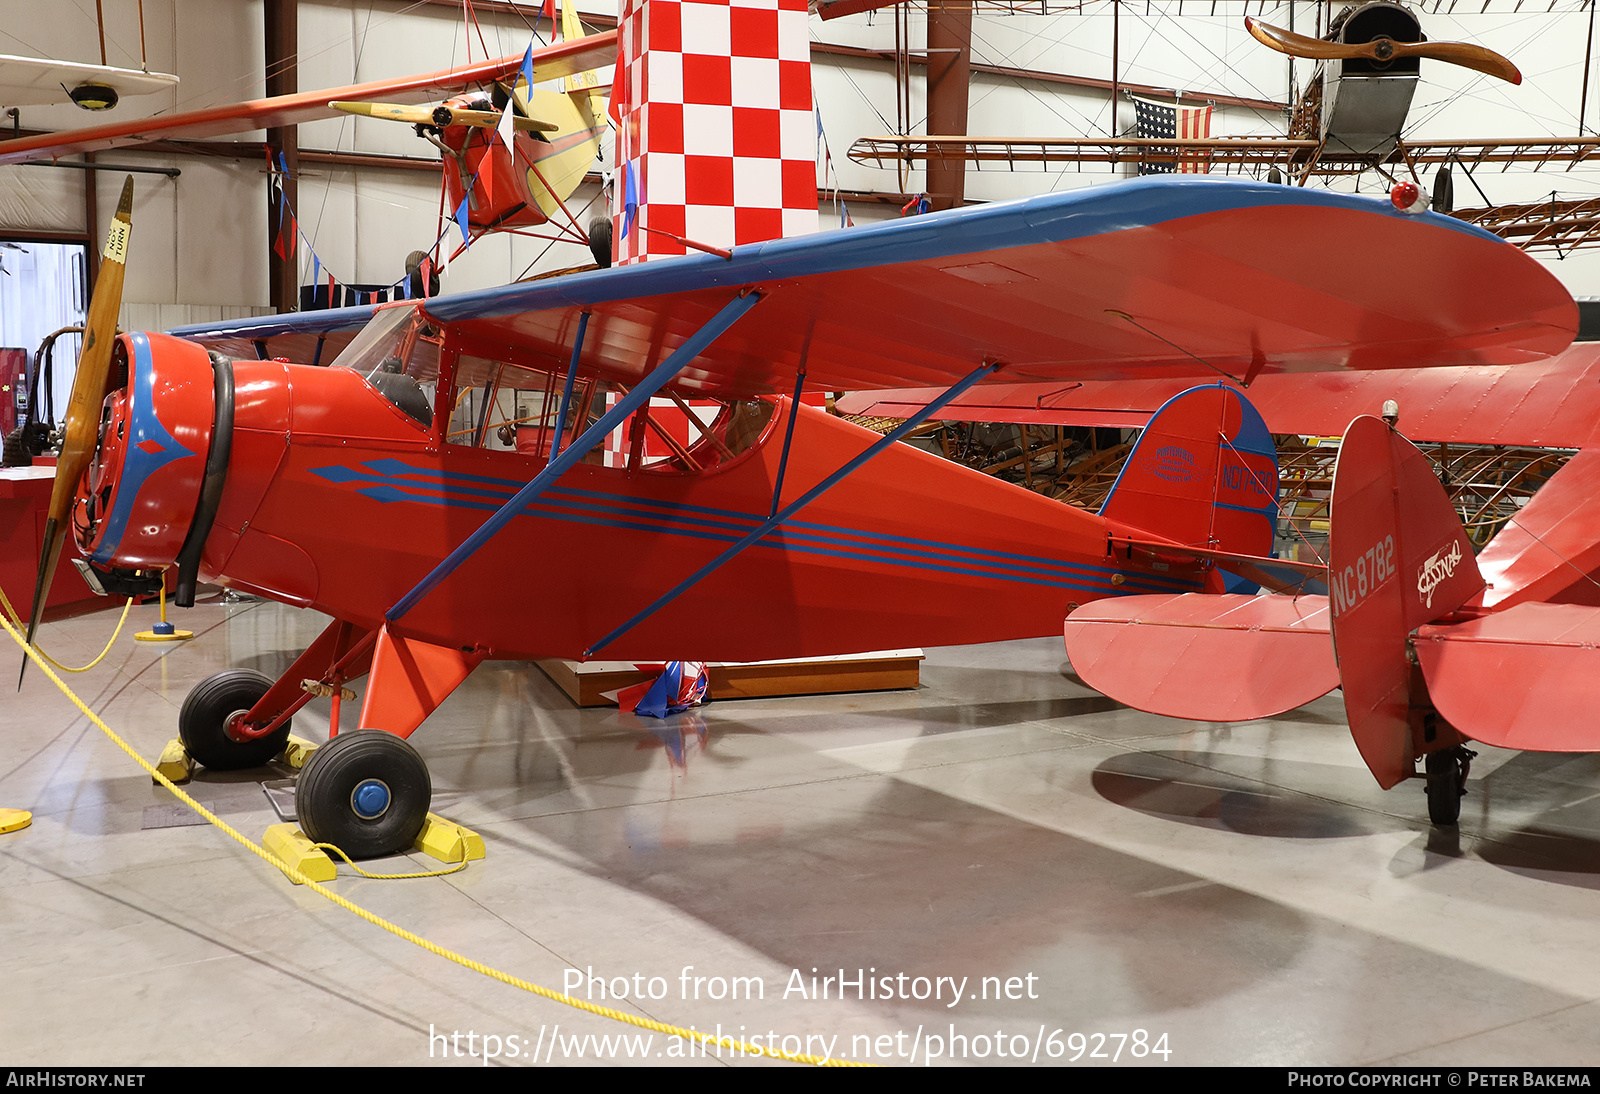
[754, 1051]
[348, 861]
[16, 619]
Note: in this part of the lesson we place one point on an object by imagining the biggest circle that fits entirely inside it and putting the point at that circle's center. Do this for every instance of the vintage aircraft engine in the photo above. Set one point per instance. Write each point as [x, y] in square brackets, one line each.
[1364, 100]
[139, 497]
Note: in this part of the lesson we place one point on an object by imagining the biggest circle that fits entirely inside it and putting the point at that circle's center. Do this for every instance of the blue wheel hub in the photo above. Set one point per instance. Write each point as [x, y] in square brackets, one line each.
[370, 799]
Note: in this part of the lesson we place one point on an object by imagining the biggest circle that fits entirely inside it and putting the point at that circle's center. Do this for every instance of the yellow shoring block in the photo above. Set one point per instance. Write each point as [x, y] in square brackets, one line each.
[174, 763]
[290, 845]
[449, 842]
[297, 751]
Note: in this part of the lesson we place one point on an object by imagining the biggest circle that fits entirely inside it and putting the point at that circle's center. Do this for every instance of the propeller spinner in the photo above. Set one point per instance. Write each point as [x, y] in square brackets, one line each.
[82, 427]
[1383, 49]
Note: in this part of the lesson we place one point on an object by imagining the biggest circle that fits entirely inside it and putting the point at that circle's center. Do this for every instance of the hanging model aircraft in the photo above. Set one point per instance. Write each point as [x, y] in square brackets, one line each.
[1348, 120]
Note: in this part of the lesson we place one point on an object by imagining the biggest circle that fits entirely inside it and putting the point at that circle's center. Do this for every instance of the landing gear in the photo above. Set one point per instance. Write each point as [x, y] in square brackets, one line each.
[1447, 782]
[214, 705]
[367, 792]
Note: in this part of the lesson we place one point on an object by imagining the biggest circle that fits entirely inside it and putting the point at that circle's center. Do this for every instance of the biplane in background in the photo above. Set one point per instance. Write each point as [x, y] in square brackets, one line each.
[1348, 120]
[365, 491]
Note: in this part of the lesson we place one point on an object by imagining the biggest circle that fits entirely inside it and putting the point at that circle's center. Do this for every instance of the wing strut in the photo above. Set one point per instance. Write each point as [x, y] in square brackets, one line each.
[805, 499]
[566, 392]
[663, 374]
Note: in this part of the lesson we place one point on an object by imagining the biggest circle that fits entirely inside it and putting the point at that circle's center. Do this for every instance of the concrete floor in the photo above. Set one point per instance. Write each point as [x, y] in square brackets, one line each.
[1246, 892]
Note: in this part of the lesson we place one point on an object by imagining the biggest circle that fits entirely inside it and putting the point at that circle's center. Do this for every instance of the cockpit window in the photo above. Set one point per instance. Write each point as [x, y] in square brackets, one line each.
[384, 353]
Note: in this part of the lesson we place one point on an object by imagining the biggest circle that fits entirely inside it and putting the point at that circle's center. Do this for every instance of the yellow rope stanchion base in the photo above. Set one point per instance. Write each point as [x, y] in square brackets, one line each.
[163, 631]
[173, 634]
[12, 820]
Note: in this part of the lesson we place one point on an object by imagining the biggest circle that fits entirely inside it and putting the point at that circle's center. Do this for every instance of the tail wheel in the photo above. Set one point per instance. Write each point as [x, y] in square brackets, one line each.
[367, 792]
[216, 703]
[1447, 783]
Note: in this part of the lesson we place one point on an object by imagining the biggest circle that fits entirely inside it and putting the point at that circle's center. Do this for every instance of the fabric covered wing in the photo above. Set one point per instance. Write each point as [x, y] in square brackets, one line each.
[1209, 658]
[1527, 677]
[1550, 551]
[1149, 277]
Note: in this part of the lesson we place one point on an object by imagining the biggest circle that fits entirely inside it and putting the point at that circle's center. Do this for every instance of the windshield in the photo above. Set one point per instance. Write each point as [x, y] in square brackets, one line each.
[381, 353]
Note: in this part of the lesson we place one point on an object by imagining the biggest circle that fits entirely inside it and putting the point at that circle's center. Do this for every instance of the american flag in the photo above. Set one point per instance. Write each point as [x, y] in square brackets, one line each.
[1158, 119]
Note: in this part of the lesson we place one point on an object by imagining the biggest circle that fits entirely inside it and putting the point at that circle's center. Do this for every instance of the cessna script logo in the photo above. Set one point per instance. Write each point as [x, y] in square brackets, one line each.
[1437, 569]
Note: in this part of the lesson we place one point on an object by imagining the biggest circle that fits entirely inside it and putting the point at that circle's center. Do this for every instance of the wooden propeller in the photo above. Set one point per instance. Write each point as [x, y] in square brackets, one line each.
[442, 116]
[82, 428]
[1383, 49]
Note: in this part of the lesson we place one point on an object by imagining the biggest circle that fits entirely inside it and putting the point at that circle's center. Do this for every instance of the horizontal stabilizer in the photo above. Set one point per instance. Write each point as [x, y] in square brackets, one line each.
[1209, 658]
[1278, 574]
[1527, 677]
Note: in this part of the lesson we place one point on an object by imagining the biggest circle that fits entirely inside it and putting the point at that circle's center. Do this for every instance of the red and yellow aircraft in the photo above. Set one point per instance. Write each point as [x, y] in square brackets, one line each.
[366, 490]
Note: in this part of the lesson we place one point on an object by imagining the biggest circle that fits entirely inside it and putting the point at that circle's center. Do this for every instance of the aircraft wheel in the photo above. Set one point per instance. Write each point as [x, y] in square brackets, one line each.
[1446, 784]
[367, 792]
[1443, 192]
[207, 710]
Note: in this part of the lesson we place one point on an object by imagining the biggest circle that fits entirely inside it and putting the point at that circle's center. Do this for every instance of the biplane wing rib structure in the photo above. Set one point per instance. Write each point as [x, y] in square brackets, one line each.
[551, 62]
[1159, 277]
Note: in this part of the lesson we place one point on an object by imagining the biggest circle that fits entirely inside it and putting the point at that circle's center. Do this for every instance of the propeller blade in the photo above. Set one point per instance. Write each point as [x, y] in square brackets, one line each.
[441, 116]
[1296, 45]
[488, 119]
[1383, 49]
[392, 112]
[82, 428]
[1461, 53]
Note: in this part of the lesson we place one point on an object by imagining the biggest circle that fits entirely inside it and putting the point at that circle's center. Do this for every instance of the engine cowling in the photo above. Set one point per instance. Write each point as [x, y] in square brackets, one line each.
[138, 497]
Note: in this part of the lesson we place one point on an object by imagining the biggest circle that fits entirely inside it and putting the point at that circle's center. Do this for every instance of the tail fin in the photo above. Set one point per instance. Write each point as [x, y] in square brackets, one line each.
[1397, 558]
[1204, 474]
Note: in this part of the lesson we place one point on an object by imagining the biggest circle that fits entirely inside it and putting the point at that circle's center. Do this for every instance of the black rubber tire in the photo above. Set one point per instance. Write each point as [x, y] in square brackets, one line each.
[324, 793]
[1444, 200]
[1444, 787]
[203, 720]
[600, 241]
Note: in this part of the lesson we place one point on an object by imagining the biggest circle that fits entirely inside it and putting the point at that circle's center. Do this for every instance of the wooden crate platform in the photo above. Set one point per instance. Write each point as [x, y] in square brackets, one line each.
[586, 682]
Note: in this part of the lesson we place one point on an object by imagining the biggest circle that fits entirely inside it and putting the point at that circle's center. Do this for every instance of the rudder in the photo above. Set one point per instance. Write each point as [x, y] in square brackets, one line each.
[1204, 473]
[1398, 557]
